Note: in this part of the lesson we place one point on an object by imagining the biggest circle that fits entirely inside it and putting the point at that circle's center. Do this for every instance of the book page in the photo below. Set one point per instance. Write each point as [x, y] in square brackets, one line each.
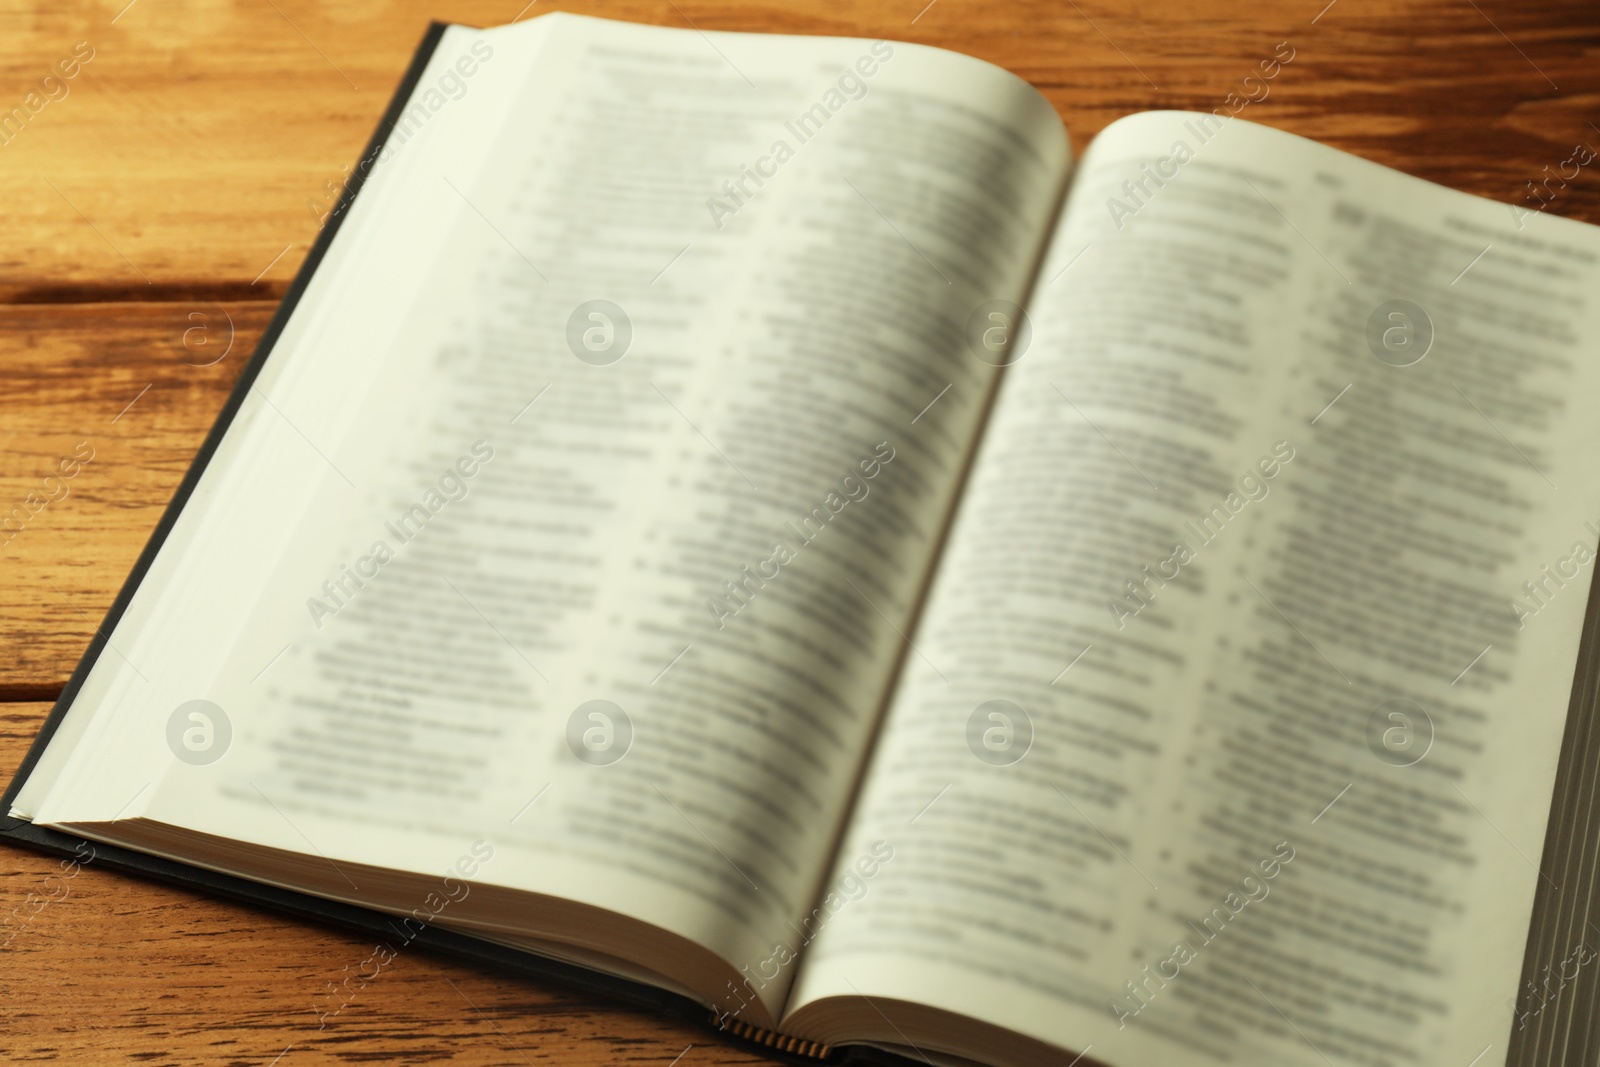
[605, 558]
[1243, 679]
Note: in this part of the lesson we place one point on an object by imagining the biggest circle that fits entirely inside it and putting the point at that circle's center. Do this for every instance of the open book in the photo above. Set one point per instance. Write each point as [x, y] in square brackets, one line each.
[753, 517]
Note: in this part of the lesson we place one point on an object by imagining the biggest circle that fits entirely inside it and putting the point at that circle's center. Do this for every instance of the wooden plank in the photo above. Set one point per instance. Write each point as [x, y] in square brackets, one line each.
[101, 967]
[133, 387]
[193, 152]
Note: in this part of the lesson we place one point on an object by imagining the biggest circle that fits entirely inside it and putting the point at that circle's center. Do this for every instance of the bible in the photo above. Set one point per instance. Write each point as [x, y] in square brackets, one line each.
[757, 526]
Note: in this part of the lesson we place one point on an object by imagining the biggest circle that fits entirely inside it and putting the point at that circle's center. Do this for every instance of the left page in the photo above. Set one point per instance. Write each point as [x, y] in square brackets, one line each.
[587, 499]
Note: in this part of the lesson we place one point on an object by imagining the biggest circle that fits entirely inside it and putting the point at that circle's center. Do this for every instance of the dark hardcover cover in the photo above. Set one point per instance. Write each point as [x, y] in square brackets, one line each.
[383, 927]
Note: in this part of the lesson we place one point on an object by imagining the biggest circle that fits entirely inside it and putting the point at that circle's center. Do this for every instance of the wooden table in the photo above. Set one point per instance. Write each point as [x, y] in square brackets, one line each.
[153, 217]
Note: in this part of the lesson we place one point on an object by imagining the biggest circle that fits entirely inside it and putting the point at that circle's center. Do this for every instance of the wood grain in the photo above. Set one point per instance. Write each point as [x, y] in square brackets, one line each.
[194, 151]
[136, 386]
[188, 165]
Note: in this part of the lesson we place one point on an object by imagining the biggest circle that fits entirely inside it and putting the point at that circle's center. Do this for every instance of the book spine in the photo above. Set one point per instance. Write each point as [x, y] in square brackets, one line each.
[794, 1046]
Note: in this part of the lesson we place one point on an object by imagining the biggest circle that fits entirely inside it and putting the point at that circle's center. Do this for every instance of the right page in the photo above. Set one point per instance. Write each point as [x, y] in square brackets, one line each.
[1242, 682]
